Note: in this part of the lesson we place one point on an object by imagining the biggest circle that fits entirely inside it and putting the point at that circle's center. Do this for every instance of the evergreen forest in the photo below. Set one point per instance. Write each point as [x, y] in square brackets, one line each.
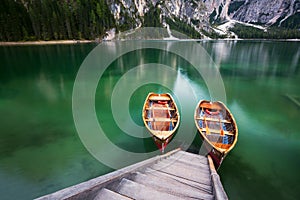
[26, 20]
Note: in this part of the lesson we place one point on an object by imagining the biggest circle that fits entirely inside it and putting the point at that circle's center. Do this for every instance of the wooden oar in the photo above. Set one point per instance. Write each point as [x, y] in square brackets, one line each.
[221, 128]
[206, 126]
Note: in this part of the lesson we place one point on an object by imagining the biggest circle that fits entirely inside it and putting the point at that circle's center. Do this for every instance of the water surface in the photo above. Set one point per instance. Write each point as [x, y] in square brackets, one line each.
[40, 151]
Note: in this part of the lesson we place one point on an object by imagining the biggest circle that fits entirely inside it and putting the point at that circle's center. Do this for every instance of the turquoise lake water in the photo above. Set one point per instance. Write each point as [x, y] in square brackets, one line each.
[42, 152]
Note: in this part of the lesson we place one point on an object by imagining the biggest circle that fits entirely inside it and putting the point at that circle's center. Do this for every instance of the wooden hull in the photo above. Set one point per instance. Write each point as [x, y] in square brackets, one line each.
[161, 118]
[216, 155]
[162, 144]
[217, 129]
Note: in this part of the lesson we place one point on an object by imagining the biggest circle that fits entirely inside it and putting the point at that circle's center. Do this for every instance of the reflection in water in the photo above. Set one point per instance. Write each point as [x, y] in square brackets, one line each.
[255, 58]
[295, 61]
[257, 77]
[144, 78]
[40, 151]
[46, 88]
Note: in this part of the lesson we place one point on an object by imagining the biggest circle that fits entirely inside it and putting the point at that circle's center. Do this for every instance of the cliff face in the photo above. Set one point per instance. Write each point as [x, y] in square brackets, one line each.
[201, 14]
[266, 12]
[191, 12]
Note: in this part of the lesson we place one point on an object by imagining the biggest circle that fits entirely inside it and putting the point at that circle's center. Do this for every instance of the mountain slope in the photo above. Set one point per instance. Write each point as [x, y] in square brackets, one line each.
[203, 16]
[90, 19]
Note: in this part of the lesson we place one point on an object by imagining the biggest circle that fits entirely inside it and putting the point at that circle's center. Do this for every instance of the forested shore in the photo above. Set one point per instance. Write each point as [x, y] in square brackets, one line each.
[33, 20]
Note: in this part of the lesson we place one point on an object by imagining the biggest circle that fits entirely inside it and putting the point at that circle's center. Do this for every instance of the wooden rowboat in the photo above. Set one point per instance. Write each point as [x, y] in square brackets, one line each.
[161, 118]
[217, 128]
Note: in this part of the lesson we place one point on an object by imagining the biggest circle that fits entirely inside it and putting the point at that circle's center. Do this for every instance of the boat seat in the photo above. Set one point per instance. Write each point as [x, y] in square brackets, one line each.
[159, 108]
[213, 119]
[221, 145]
[218, 131]
[160, 120]
[159, 98]
[211, 106]
[162, 134]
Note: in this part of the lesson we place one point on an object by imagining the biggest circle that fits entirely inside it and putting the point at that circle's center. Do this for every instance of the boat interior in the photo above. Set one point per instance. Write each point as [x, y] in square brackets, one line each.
[215, 123]
[161, 113]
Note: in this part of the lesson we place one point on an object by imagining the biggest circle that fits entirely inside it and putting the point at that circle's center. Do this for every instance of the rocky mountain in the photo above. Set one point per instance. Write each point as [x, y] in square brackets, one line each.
[22, 20]
[205, 16]
[266, 12]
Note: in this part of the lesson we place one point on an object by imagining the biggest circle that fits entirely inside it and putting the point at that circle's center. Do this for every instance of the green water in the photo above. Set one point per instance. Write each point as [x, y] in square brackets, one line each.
[41, 152]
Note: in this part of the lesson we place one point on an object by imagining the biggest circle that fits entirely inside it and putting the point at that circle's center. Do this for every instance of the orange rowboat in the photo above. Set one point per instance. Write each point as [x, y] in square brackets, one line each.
[217, 128]
[161, 118]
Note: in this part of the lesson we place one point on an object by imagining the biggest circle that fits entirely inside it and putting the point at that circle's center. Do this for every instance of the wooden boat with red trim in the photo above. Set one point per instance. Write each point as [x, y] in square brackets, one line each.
[161, 118]
[217, 128]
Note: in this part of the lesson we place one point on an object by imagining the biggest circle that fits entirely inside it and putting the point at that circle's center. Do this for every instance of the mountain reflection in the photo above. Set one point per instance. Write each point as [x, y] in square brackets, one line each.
[255, 58]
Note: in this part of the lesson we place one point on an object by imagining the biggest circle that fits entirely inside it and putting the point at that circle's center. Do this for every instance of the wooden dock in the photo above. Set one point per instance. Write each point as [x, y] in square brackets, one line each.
[175, 175]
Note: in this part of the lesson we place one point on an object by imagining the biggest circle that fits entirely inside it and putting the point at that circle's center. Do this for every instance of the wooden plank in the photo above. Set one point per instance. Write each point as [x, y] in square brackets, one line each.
[111, 195]
[214, 106]
[162, 135]
[157, 119]
[183, 172]
[159, 98]
[201, 158]
[213, 119]
[171, 186]
[217, 131]
[181, 163]
[221, 145]
[193, 158]
[188, 162]
[177, 163]
[172, 166]
[202, 187]
[159, 108]
[218, 189]
[161, 132]
[138, 191]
